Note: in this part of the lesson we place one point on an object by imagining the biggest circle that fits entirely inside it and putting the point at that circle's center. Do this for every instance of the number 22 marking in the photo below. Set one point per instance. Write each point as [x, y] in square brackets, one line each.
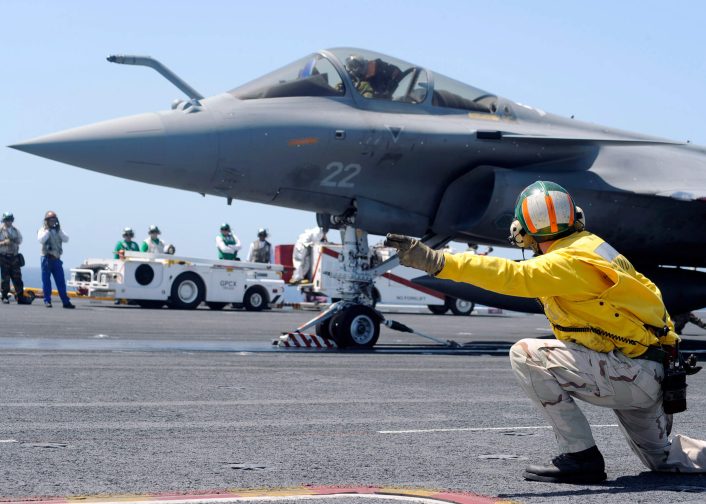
[341, 175]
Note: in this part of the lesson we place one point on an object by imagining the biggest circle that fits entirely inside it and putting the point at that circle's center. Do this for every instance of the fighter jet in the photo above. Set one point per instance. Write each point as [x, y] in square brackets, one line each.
[374, 144]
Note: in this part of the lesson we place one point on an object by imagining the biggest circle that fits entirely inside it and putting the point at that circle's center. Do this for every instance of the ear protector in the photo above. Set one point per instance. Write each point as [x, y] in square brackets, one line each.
[519, 237]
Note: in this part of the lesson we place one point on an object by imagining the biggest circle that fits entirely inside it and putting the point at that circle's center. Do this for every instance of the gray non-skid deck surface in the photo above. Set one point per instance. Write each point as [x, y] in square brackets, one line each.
[92, 422]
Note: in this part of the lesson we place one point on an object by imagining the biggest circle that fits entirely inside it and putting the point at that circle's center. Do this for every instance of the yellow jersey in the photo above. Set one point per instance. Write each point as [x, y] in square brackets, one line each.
[592, 295]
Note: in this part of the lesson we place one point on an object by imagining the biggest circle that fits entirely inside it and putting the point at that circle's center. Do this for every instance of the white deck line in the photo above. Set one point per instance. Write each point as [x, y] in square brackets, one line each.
[480, 429]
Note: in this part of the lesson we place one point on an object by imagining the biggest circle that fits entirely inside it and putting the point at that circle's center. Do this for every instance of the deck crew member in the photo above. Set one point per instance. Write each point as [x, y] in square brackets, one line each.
[52, 238]
[227, 243]
[153, 244]
[303, 252]
[127, 244]
[261, 250]
[11, 261]
[612, 333]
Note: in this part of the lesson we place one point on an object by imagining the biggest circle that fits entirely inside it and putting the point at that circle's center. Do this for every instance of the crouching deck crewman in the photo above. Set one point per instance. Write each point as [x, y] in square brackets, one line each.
[615, 344]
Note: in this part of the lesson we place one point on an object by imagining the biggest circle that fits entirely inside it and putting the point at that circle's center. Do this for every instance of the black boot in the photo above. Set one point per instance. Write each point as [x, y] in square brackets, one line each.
[586, 466]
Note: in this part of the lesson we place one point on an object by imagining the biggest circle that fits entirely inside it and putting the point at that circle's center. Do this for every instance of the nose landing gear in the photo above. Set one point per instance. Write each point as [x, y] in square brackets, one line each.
[353, 322]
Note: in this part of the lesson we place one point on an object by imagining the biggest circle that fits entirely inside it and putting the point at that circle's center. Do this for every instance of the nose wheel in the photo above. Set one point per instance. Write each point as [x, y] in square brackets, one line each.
[349, 325]
[356, 327]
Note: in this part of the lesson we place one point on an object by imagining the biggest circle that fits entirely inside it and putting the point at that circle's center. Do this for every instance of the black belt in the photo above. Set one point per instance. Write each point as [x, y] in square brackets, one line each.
[654, 354]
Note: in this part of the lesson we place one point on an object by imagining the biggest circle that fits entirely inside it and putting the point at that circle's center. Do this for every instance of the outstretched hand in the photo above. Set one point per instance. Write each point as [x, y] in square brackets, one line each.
[415, 254]
[401, 243]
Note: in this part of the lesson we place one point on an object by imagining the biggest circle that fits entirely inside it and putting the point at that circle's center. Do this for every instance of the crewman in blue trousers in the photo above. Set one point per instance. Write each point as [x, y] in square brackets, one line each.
[52, 239]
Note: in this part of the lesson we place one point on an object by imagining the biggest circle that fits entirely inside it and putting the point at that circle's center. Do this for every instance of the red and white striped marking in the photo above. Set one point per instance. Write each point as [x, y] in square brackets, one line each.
[301, 340]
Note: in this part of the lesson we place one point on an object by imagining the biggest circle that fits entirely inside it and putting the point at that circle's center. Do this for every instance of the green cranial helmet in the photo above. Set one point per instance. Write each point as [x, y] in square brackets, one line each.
[546, 211]
[8, 217]
[225, 227]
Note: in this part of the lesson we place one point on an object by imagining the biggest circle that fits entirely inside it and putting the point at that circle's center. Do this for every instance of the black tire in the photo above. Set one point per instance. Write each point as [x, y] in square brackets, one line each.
[256, 298]
[356, 327]
[216, 306]
[188, 292]
[150, 304]
[460, 306]
[438, 309]
[323, 329]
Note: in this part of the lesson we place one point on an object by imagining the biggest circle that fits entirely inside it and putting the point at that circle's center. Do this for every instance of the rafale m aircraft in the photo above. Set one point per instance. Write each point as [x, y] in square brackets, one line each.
[374, 144]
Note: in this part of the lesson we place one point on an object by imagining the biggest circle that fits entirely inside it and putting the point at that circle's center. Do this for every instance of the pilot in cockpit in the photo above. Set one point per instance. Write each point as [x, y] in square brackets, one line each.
[374, 79]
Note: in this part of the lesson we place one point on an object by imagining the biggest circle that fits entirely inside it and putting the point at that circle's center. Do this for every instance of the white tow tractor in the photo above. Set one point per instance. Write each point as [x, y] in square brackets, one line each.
[156, 280]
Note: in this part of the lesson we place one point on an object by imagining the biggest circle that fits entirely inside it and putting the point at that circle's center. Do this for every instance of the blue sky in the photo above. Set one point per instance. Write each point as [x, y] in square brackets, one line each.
[634, 65]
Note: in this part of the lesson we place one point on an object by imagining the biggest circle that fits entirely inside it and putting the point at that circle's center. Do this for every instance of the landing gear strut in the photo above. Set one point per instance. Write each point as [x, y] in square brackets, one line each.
[353, 322]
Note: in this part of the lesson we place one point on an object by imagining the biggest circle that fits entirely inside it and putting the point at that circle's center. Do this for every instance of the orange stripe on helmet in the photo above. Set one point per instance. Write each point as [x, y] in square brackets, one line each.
[552, 213]
[571, 210]
[526, 215]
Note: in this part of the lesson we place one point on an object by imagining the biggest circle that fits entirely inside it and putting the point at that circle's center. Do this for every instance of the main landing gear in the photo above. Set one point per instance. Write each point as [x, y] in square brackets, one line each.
[353, 321]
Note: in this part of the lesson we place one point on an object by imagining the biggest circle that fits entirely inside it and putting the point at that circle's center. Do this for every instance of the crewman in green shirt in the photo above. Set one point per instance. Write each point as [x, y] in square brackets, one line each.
[126, 244]
[228, 244]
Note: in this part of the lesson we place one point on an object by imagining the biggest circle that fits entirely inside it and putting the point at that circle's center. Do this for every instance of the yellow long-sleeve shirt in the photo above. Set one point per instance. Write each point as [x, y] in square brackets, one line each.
[583, 283]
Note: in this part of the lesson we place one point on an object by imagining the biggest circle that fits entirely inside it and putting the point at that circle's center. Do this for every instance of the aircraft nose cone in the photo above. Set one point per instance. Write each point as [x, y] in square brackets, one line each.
[124, 147]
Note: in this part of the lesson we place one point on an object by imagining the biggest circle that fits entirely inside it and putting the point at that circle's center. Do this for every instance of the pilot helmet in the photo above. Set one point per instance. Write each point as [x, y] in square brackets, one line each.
[357, 66]
[128, 233]
[545, 211]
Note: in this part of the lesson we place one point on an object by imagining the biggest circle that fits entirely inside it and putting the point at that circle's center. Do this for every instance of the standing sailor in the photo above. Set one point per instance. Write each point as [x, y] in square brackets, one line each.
[11, 260]
[153, 244]
[126, 244]
[52, 238]
[227, 243]
[261, 250]
[303, 252]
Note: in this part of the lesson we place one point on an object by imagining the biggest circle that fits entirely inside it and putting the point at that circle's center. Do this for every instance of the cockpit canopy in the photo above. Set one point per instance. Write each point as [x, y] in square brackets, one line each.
[371, 75]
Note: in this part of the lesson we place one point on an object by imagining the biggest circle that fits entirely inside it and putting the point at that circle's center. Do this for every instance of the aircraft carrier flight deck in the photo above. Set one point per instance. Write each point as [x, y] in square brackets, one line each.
[115, 400]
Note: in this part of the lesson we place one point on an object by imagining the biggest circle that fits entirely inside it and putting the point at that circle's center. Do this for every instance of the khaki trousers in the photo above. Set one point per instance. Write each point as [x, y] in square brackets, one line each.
[554, 373]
